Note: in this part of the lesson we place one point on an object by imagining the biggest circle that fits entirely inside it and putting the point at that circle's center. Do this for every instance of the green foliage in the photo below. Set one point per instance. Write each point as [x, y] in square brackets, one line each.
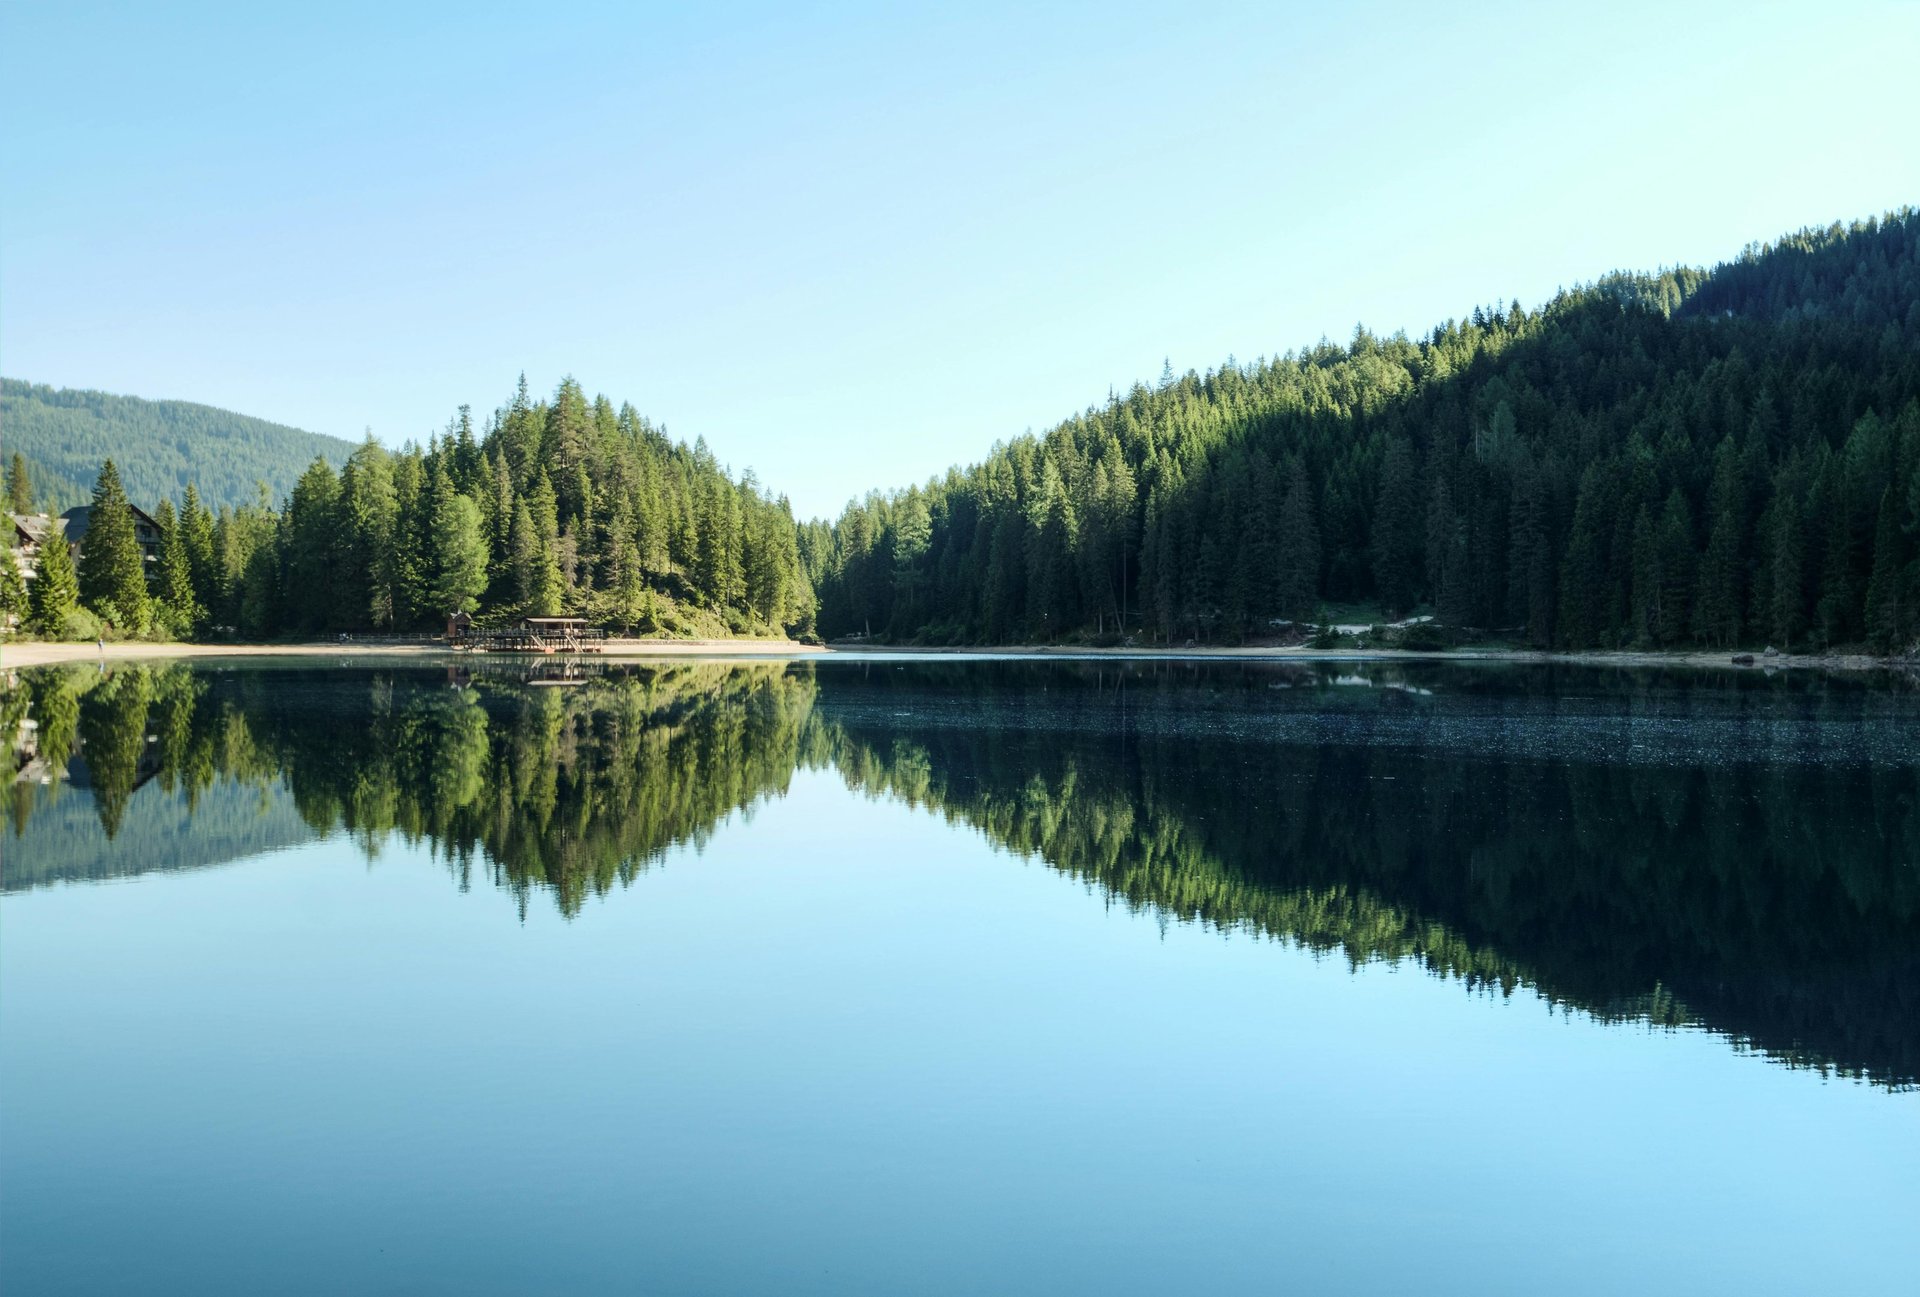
[54, 596]
[1395, 539]
[177, 609]
[1888, 623]
[197, 534]
[308, 530]
[113, 569]
[363, 545]
[13, 593]
[81, 625]
[459, 553]
[568, 508]
[1686, 459]
[160, 446]
[1422, 637]
[19, 485]
[541, 585]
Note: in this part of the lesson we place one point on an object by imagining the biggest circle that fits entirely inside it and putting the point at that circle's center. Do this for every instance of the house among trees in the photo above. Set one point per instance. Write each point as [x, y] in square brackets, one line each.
[22, 564]
[93, 568]
[30, 532]
[146, 533]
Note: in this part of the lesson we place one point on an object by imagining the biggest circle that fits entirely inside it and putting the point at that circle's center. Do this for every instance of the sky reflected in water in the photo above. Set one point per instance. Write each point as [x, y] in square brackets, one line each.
[958, 978]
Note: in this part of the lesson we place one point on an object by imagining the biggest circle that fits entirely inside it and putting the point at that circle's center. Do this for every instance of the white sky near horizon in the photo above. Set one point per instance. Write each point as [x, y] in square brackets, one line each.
[852, 245]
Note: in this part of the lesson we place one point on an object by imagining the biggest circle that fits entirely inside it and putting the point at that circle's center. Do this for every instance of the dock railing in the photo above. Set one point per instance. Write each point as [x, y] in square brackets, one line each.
[522, 639]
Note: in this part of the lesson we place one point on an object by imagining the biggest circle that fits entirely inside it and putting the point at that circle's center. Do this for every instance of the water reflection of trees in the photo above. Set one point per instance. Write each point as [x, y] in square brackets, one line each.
[568, 789]
[1760, 885]
[1775, 901]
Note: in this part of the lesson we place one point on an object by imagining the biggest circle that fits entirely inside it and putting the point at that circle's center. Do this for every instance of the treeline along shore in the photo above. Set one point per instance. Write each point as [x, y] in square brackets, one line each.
[568, 506]
[1685, 459]
[1674, 462]
[349, 649]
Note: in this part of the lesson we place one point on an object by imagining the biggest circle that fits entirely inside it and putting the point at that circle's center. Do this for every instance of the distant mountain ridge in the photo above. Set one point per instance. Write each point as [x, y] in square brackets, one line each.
[159, 446]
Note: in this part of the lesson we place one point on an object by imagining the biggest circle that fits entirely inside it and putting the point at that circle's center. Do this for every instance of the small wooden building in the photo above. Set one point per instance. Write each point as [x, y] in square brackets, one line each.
[75, 523]
[560, 634]
[31, 531]
[533, 635]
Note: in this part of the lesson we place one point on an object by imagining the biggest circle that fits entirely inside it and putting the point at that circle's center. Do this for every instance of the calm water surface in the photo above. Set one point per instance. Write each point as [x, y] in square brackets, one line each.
[958, 977]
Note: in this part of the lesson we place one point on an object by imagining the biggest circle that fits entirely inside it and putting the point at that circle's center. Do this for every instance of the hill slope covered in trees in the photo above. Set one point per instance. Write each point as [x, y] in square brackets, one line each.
[159, 446]
[566, 506]
[1690, 458]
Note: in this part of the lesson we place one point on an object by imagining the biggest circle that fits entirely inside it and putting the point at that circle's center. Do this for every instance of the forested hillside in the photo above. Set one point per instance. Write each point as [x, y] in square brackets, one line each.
[1691, 458]
[563, 507]
[160, 446]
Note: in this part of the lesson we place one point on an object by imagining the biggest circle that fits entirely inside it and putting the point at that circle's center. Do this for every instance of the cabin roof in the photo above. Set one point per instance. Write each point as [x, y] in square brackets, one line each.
[77, 518]
[34, 527]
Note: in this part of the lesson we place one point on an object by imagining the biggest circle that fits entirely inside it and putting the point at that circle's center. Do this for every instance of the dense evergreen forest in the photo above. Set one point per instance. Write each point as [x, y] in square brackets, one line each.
[1682, 459]
[159, 446]
[1688, 459]
[557, 507]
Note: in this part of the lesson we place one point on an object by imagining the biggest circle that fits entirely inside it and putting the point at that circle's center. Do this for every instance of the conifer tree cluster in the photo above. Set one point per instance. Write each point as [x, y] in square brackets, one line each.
[113, 571]
[567, 507]
[54, 597]
[19, 485]
[1687, 459]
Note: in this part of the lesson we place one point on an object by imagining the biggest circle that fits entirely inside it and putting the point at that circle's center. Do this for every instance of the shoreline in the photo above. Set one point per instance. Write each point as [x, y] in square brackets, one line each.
[1539, 657]
[54, 654]
[34, 654]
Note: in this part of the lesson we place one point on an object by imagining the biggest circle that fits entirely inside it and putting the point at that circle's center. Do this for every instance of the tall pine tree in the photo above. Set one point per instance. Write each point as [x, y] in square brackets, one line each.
[113, 570]
[19, 485]
[54, 595]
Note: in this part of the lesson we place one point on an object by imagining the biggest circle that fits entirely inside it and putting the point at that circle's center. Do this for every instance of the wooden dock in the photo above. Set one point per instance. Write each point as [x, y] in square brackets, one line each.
[533, 635]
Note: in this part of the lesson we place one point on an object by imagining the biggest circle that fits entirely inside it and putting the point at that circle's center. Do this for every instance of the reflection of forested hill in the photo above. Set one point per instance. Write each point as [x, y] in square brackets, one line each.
[62, 840]
[1725, 851]
[1640, 864]
[570, 788]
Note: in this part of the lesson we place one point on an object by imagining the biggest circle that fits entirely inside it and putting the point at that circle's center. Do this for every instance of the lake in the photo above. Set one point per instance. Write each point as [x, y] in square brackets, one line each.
[958, 975]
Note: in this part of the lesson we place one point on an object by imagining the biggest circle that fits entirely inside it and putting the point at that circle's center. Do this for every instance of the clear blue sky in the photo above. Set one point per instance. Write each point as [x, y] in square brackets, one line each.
[853, 245]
